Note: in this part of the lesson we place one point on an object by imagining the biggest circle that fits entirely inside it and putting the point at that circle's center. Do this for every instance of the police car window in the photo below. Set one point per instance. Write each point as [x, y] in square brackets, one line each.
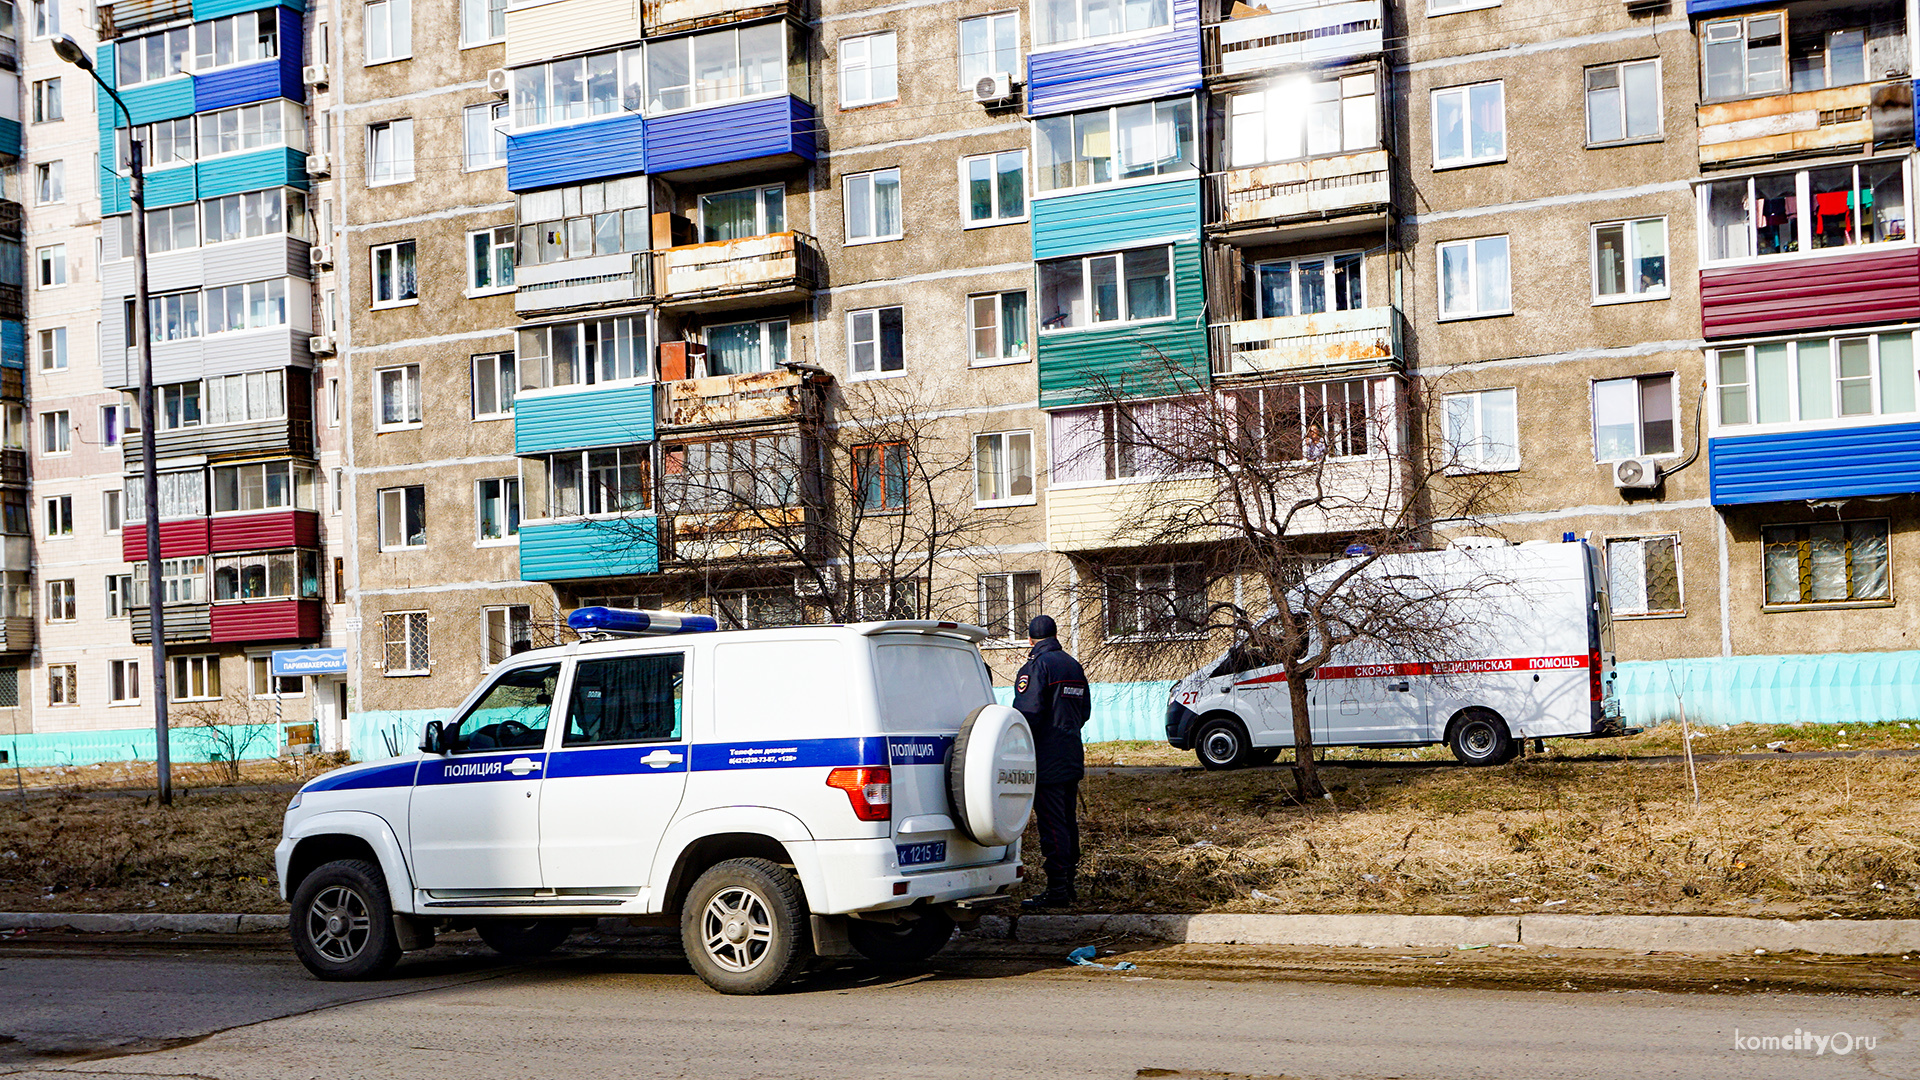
[512, 716]
[626, 699]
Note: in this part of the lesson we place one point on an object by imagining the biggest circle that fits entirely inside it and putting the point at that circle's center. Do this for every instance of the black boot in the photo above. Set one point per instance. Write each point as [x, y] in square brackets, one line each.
[1052, 898]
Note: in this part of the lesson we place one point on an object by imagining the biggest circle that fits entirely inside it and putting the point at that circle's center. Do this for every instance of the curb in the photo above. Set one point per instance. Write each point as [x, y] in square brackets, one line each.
[104, 923]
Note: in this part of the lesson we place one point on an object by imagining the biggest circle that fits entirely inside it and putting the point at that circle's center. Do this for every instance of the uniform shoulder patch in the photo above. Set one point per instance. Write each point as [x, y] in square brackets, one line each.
[1020, 685]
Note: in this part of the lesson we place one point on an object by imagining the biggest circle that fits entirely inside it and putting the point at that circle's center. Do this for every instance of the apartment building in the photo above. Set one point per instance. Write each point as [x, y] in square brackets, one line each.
[789, 310]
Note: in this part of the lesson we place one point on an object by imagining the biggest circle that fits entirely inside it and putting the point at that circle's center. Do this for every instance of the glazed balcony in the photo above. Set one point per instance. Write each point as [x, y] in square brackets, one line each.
[13, 466]
[583, 283]
[1328, 343]
[754, 271]
[1296, 34]
[1842, 119]
[1298, 200]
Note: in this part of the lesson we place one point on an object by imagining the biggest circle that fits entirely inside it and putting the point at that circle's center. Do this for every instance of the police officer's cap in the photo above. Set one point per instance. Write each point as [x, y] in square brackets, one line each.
[1042, 627]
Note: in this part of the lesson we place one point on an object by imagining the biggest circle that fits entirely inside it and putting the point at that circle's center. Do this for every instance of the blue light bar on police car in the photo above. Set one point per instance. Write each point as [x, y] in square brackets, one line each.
[605, 620]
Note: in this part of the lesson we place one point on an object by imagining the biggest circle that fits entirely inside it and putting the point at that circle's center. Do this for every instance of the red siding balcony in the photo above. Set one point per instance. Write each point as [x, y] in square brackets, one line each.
[178, 539]
[267, 620]
[1818, 293]
[272, 529]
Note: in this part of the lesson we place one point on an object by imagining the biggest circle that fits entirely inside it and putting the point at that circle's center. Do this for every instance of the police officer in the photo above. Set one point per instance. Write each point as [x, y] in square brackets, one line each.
[1051, 692]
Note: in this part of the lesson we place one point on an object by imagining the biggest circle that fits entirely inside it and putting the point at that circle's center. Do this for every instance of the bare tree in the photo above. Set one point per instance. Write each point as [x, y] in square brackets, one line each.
[1281, 497]
[225, 744]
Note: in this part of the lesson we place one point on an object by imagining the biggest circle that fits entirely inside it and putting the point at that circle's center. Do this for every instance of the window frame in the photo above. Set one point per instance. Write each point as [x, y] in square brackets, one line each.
[295, 476]
[1009, 582]
[999, 328]
[1171, 595]
[411, 395]
[508, 495]
[1182, 166]
[1745, 19]
[1804, 229]
[118, 589]
[259, 663]
[1804, 559]
[399, 48]
[1231, 148]
[1079, 36]
[877, 341]
[181, 672]
[51, 347]
[764, 328]
[1436, 10]
[873, 73]
[63, 600]
[49, 105]
[1639, 415]
[1329, 268]
[1468, 158]
[393, 250]
[991, 19]
[494, 245]
[1630, 238]
[377, 174]
[1440, 284]
[995, 216]
[496, 117]
[1679, 610]
[1480, 463]
[400, 497]
[488, 661]
[63, 686]
[1003, 476]
[506, 384]
[1122, 300]
[408, 621]
[50, 182]
[1790, 360]
[1659, 102]
[889, 457]
[50, 266]
[872, 224]
[123, 674]
[490, 9]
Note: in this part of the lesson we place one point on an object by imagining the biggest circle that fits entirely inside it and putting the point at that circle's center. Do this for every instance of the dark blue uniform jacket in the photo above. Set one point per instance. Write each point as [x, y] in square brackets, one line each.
[1051, 692]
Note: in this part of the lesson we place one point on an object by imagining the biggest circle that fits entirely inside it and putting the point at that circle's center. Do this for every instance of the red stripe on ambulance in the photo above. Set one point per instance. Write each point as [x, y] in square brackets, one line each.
[1445, 667]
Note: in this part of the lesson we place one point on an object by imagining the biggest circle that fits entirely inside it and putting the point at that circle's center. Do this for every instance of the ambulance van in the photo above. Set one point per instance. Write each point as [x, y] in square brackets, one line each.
[1526, 653]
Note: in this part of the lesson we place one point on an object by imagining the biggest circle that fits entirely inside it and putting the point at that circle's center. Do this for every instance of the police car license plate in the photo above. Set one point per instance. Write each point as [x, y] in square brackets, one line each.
[932, 851]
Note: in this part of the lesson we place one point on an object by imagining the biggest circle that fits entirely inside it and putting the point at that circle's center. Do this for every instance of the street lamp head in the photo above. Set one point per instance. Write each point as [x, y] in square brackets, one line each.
[69, 50]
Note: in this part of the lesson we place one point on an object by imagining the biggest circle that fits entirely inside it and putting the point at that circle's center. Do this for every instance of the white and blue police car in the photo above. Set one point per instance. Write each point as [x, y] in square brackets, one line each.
[779, 795]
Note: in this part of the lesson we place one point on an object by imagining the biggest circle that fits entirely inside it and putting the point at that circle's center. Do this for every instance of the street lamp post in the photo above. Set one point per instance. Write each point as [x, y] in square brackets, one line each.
[69, 50]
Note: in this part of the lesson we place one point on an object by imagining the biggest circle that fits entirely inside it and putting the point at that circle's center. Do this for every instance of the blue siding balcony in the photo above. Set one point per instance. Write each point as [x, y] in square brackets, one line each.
[9, 138]
[745, 136]
[278, 166]
[1830, 463]
[546, 421]
[584, 548]
[13, 343]
[576, 153]
[1105, 219]
[1070, 77]
[214, 9]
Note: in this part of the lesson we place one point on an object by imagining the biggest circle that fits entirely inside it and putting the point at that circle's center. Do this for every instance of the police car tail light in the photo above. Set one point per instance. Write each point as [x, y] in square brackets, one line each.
[870, 790]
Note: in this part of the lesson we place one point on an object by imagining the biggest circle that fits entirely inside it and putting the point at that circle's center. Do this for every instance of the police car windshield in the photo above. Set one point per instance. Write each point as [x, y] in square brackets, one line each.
[513, 714]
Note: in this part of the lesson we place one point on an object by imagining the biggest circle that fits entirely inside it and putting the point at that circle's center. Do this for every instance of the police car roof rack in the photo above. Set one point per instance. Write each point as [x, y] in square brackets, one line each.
[964, 631]
[602, 623]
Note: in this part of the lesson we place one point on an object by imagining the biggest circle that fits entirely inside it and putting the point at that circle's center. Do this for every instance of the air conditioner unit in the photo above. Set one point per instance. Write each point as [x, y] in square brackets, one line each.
[314, 74]
[499, 81]
[322, 255]
[320, 345]
[995, 89]
[1636, 472]
[318, 165]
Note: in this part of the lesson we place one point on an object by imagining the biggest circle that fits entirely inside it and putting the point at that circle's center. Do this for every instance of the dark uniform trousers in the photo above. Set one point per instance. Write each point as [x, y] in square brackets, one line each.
[1056, 806]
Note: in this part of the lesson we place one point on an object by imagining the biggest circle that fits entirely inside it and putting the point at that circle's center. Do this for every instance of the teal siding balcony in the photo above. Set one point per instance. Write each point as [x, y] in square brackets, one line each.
[545, 421]
[582, 548]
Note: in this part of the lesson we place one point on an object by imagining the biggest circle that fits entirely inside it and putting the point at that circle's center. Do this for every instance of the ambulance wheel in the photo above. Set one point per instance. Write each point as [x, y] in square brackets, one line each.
[1265, 755]
[1221, 743]
[1480, 737]
[342, 922]
[744, 926]
[523, 938]
[909, 941]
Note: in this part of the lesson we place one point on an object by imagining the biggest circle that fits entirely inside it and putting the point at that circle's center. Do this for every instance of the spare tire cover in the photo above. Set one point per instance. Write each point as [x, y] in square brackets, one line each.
[991, 774]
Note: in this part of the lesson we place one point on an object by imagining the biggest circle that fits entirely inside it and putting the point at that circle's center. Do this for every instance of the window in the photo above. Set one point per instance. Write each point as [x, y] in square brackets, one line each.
[873, 206]
[253, 214]
[493, 385]
[110, 518]
[1155, 601]
[1643, 575]
[582, 353]
[1809, 210]
[403, 518]
[1298, 421]
[608, 481]
[399, 396]
[1008, 602]
[1473, 278]
[172, 228]
[239, 130]
[123, 682]
[997, 327]
[263, 683]
[338, 485]
[490, 260]
[1633, 417]
[164, 144]
[1072, 20]
[869, 69]
[1448, 7]
[182, 581]
[482, 21]
[875, 342]
[237, 39]
[407, 646]
[257, 305]
[46, 18]
[499, 505]
[183, 494]
[53, 265]
[1080, 150]
[601, 218]
[485, 131]
[886, 599]
[175, 317]
[1815, 379]
[1744, 55]
[46, 101]
[389, 152]
[149, 58]
[683, 72]
[509, 630]
[49, 182]
[253, 395]
[1131, 286]
[1630, 260]
[389, 30]
[740, 348]
[53, 349]
[1482, 433]
[1003, 468]
[728, 475]
[394, 281]
[1310, 286]
[626, 699]
[266, 575]
[61, 605]
[734, 215]
[989, 44]
[880, 477]
[993, 188]
[1301, 118]
[269, 485]
[1827, 563]
[195, 678]
[119, 591]
[179, 405]
[56, 432]
[63, 684]
[1469, 125]
[113, 423]
[755, 609]
[1623, 102]
[333, 403]
[14, 520]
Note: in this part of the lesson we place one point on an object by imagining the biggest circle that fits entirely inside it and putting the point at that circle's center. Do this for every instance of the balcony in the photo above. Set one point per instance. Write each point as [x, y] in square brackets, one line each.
[583, 283]
[1324, 344]
[16, 635]
[1299, 200]
[178, 539]
[13, 466]
[754, 271]
[1843, 119]
[771, 533]
[281, 436]
[1295, 34]
[585, 548]
[257, 532]
[185, 623]
[1814, 292]
[124, 16]
[1816, 464]
[1120, 513]
[731, 138]
[1357, 493]
[266, 620]
[574, 418]
[678, 16]
[726, 400]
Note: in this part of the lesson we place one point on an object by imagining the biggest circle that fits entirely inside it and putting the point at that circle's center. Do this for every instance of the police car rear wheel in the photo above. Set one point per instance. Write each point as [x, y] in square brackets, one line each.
[342, 923]
[1221, 743]
[743, 926]
[908, 941]
[1481, 738]
[523, 938]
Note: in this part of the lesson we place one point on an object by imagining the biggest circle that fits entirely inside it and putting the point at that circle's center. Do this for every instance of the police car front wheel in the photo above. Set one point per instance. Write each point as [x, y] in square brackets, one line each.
[744, 926]
[342, 923]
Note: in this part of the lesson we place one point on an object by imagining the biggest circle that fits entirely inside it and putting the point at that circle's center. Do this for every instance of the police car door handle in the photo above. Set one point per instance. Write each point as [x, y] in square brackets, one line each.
[660, 759]
[521, 766]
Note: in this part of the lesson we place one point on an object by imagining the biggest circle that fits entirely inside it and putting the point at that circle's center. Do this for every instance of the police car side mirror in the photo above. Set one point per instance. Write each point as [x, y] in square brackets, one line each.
[430, 738]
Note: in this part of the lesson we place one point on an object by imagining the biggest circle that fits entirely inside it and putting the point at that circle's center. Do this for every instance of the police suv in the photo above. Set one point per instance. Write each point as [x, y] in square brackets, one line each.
[779, 795]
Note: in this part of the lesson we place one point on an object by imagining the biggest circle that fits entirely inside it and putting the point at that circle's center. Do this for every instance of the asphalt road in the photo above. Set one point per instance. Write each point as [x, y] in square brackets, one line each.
[241, 1011]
